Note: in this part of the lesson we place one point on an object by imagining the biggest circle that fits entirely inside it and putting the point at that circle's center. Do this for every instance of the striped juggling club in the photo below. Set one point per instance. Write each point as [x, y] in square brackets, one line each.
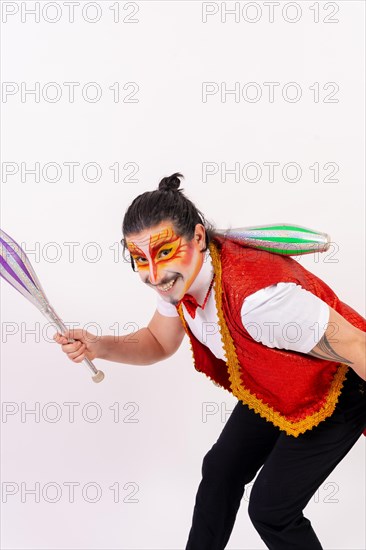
[280, 238]
[17, 270]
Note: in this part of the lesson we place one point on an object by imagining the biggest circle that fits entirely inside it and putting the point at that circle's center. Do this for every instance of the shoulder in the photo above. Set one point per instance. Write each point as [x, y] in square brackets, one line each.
[236, 253]
[285, 315]
[281, 296]
[249, 269]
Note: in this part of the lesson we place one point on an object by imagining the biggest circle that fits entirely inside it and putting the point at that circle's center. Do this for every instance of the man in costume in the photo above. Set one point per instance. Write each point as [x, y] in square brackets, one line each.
[270, 332]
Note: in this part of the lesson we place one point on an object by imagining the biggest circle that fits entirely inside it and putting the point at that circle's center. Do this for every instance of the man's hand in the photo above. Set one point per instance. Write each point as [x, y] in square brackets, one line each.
[86, 344]
[344, 343]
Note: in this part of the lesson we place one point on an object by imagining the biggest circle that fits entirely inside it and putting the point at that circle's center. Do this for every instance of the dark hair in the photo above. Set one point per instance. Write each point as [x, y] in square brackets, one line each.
[166, 202]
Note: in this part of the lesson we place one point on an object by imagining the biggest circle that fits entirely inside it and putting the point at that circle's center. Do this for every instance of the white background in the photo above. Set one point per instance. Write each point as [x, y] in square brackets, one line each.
[169, 52]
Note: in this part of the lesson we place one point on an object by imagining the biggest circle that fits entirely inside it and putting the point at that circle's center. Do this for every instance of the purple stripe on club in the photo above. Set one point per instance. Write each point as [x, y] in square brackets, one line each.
[8, 279]
[10, 239]
[6, 266]
[17, 258]
[26, 294]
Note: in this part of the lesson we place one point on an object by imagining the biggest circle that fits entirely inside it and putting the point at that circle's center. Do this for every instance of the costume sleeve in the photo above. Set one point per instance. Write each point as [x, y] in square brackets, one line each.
[285, 316]
[166, 308]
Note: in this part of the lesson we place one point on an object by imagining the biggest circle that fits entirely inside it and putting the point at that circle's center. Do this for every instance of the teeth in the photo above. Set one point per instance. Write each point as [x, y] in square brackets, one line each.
[166, 287]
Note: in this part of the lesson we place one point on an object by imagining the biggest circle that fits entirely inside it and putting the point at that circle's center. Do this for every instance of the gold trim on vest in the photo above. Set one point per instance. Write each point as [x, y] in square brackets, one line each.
[242, 393]
[237, 387]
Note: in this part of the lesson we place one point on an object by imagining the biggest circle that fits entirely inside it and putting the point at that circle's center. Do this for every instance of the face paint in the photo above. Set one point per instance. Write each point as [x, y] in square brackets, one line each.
[162, 256]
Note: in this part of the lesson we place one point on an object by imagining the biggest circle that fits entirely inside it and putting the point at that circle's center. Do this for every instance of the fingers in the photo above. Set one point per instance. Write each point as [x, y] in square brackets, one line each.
[75, 334]
[78, 355]
[74, 350]
[59, 338]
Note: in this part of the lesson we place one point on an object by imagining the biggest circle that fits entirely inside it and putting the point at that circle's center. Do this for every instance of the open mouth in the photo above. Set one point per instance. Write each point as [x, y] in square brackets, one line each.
[168, 286]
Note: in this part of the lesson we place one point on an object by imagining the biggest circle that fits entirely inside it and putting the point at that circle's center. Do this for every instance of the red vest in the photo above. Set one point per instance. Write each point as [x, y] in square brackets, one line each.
[294, 391]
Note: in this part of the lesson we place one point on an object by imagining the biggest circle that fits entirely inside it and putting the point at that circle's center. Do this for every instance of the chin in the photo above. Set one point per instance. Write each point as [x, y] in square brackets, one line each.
[173, 299]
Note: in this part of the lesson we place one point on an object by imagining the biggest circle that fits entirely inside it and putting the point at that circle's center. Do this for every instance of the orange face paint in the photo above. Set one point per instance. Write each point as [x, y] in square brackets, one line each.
[162, 256]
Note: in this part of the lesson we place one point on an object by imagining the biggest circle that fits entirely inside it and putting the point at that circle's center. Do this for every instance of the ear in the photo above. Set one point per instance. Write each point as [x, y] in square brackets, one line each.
[200, 235]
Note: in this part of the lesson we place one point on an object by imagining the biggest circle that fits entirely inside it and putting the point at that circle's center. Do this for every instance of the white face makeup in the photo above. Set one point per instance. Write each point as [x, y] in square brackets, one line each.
[167, 262]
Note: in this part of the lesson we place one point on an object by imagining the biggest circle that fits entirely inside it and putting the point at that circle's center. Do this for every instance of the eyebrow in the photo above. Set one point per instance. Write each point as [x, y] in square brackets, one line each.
[167, 235]
[161, 242]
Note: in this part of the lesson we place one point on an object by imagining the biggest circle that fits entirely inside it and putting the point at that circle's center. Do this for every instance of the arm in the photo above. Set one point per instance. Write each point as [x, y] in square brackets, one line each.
[266, 313]
[344, 343]
[156, 342]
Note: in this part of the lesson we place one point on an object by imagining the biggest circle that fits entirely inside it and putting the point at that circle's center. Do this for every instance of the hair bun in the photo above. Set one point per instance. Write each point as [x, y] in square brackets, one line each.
[171, 183]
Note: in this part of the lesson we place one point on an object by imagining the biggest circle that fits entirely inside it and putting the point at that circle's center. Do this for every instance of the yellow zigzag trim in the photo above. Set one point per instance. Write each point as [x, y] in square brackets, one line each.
[241, 392]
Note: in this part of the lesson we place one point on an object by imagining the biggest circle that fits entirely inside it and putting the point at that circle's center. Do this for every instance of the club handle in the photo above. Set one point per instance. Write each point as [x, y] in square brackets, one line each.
[52, 316]
[98, 374]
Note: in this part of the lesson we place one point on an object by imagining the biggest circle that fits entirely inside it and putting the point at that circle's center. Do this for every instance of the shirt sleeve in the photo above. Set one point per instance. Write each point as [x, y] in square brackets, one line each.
[166, 308]
[285, 316]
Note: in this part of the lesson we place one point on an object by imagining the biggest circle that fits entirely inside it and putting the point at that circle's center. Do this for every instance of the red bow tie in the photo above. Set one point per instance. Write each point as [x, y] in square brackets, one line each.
[191, 303]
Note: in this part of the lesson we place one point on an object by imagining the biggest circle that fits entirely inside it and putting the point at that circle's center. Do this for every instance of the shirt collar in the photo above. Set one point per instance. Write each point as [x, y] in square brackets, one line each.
[201, 284]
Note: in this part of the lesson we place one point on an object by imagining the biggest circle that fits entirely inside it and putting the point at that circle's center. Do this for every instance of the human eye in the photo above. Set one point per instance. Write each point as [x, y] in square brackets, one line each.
[167, 250]
[140, 259]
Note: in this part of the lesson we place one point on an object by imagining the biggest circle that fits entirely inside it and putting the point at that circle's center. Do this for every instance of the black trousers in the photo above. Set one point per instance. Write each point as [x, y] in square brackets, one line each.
[293, 469]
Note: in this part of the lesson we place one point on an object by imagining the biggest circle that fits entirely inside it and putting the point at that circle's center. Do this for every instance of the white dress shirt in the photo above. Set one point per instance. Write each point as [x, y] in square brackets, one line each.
[283, 315]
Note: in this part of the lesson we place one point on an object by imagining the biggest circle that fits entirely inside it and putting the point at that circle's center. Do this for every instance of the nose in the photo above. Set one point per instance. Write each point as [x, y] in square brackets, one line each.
[152, 273]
